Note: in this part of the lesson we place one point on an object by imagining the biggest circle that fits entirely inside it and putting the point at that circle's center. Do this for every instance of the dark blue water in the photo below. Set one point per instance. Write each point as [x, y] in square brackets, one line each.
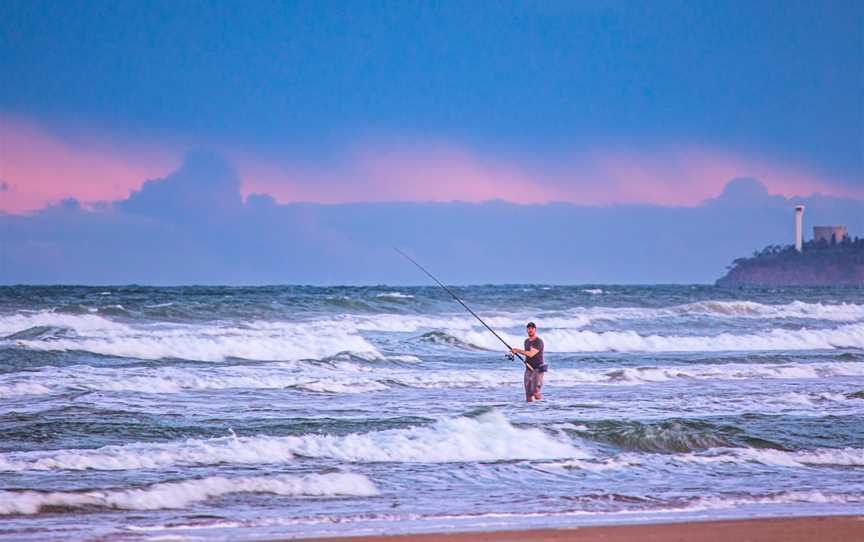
[206, 413]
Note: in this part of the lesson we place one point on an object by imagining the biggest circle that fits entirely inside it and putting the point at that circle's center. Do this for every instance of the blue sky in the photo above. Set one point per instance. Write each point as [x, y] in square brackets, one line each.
[784, 77]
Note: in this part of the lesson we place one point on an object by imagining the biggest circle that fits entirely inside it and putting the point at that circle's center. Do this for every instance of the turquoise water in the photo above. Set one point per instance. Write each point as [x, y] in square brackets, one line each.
[222, 413]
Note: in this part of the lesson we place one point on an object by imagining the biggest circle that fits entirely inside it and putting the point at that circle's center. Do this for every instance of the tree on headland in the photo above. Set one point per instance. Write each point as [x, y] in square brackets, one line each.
[821, 262]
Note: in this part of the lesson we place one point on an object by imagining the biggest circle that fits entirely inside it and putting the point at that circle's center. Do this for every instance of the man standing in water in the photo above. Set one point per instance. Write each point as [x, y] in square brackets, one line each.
[533, 353]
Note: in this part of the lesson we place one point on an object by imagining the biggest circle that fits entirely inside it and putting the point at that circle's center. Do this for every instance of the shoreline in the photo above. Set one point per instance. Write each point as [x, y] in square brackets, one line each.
[846, 528]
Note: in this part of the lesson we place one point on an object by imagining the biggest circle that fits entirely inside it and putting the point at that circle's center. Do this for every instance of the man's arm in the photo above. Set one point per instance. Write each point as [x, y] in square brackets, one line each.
[527, 353]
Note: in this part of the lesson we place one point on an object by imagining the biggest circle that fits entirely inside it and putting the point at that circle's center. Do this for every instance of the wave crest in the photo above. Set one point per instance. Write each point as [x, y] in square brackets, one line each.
[558, 340]
[183, 493]
[670, 436]
[212, 342]
[488, 437]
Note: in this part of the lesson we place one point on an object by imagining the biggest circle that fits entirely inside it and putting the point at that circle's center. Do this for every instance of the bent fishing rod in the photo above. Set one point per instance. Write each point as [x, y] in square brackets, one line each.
[467, 308]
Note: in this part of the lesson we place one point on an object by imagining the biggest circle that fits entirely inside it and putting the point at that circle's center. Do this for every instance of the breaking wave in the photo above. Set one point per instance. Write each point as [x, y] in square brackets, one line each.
[403, 323]
[848, 336]
[730, 371]
[257, 340]
[841, 312]
[346, 377]
[847, 457]
[488, 437]
[262, 340]
[23, 388]
[670, 436]
[183, 493]
[823, 457]
[394, 295]
[81, 323]
[785, 497]
[439, 337]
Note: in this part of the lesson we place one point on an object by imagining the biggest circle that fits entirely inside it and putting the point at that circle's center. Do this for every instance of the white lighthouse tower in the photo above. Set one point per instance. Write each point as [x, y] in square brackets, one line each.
[799, 228]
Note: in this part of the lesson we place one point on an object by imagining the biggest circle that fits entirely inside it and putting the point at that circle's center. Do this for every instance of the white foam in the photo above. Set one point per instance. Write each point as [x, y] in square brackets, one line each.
[801, 458]
[730, 371]
[79, 322]
[512, 376]
[329, 386]
[563, 332]
[489, 437]
[183, 493]
[842, 312]
[651, 509]
[210, 342]
[405, 358]
[242, 450]
[556, 340]
[812, 399]
[785, 497]
[343, 377]
[395, 295]
[596, 465]
[734, 371]
[23, 388]
[401, 323]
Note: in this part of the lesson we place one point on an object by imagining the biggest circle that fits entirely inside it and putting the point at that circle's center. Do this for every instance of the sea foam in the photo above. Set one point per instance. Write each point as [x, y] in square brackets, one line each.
[351, 378]
[557, 340]
[179, 494]
[735, 309]
[23, 388]
[847, 457]
[489, 437]
[208, 342]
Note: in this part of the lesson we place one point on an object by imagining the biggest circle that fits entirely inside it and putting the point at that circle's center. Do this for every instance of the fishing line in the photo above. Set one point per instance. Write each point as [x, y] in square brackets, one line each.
[474, 314]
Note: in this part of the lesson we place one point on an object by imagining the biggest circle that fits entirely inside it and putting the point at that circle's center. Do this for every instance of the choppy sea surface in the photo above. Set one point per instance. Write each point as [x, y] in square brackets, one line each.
[136, 413]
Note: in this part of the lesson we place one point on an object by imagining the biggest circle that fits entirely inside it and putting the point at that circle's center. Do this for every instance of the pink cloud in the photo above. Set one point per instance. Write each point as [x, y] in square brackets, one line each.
[41, 167]
[676, 176]
[687, 175]
[436, 174]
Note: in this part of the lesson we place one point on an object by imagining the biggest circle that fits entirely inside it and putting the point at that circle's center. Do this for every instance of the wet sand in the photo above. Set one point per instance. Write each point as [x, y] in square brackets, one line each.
[803, 529]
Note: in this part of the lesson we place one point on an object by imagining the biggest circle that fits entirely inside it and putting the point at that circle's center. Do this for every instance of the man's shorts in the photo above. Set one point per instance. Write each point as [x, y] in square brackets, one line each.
[533, 382]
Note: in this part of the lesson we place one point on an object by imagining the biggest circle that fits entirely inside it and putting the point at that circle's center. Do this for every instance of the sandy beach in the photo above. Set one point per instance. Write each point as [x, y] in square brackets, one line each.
[803, 529]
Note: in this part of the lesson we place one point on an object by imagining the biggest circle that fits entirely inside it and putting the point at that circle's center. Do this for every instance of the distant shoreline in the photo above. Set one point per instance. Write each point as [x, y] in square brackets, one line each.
[819, 265]
[793, 529]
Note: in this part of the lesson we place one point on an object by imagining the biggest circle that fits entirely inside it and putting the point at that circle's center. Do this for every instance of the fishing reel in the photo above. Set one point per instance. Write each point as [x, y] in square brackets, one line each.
[509, 356]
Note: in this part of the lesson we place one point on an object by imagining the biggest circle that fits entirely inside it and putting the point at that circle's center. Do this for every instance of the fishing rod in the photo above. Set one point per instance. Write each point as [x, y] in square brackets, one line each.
[467, 308]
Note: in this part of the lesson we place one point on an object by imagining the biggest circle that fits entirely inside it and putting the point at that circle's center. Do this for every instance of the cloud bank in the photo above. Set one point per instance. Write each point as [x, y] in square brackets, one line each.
[194, 226]
[40, 167]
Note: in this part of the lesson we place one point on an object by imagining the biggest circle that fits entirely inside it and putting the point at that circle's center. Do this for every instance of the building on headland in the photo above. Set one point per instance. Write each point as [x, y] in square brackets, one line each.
[831, 258]
[799, 228]
[830, 234]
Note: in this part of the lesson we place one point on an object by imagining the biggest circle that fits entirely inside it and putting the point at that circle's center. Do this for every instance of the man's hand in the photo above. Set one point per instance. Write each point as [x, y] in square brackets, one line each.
[515, 351]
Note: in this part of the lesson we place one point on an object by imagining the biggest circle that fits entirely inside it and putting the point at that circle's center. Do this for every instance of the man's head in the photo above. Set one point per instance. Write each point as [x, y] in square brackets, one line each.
[532, 330]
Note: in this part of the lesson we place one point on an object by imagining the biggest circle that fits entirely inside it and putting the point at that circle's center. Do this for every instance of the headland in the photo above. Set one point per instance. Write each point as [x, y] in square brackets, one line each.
[818, 263]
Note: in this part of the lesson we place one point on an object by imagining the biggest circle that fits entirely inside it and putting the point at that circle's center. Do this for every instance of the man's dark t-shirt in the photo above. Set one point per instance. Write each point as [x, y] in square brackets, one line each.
[537, 360]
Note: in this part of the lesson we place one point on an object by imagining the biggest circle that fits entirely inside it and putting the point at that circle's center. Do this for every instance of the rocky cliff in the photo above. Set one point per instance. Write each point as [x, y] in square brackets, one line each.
[818, 265]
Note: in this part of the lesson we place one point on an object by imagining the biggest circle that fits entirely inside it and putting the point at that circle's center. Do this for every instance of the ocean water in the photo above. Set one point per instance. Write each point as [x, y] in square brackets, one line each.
[135, 413]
